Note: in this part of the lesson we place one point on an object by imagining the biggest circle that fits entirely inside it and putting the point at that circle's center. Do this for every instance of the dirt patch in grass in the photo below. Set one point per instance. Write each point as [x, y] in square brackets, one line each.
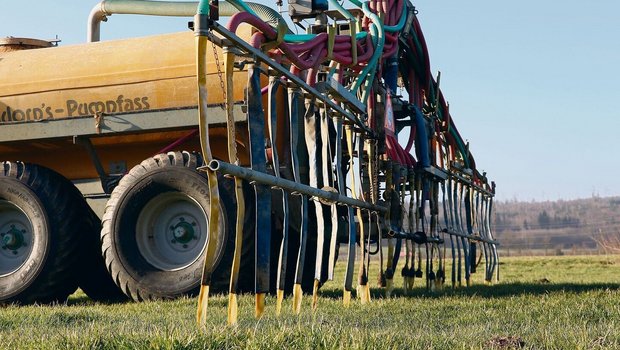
[511, 342]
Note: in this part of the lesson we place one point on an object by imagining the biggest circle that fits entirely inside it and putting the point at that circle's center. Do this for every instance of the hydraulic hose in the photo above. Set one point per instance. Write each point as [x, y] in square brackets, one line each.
[376, 31]
[342, 10]
[401, 22]
[390, 76]
[302, 38]
[422, 139]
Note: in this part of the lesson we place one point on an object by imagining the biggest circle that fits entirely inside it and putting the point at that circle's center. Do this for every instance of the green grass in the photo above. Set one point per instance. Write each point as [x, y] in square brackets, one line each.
[545, 302]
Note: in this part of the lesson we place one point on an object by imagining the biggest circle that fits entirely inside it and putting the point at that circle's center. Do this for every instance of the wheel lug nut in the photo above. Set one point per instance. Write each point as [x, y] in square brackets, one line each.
[173, 241]
[184, 245]
[15, 252]
[194, 223]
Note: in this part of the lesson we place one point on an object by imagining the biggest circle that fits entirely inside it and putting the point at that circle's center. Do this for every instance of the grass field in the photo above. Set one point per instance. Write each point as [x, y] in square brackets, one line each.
[541, 303]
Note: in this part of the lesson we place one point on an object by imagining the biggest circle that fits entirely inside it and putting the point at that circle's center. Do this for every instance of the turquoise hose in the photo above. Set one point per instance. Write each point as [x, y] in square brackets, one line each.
[380, 35]
[342, 10]
[242, 6]
[368, 86]
[377, 33]
[417, 43]
[300, 38]
[369, 72]
[203, 8]
[401, 22]
[356, 3]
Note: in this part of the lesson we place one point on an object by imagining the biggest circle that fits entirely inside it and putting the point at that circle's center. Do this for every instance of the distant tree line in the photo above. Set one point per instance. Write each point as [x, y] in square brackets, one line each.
[545, 221]
[563, 224]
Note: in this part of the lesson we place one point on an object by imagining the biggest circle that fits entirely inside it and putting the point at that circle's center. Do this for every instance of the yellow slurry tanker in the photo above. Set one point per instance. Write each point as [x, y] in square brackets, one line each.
[234, 157]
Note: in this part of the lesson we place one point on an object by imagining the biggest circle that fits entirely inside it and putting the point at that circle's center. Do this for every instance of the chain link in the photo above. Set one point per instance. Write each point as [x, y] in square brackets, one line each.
[219, 72]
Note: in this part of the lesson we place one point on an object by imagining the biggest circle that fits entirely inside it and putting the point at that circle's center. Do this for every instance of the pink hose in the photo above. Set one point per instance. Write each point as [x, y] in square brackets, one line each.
[316, 46]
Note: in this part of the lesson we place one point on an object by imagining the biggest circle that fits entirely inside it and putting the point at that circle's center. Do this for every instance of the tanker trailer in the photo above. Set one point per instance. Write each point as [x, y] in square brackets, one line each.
[239, 157]
[73, 121]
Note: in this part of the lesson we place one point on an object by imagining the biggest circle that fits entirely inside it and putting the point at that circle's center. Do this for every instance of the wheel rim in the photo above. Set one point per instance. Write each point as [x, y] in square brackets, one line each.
[172, 231]
[16, 237]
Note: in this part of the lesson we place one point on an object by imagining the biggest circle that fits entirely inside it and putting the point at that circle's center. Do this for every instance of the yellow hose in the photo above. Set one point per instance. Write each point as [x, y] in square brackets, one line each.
[280, 298]
[346, 298]
[214, 196]
[233, 158]
[297, 296]
[260, 305]
[232, 309]
[315, 295]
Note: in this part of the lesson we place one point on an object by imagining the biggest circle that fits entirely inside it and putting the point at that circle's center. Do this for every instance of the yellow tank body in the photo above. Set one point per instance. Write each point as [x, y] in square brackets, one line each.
[109, 78]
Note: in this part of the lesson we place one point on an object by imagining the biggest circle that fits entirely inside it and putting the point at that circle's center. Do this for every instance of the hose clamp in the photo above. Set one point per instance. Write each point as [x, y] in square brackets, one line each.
[201, 25]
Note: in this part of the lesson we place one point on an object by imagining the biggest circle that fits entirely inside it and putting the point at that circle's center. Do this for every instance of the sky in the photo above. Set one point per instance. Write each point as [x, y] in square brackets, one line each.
[533, 85]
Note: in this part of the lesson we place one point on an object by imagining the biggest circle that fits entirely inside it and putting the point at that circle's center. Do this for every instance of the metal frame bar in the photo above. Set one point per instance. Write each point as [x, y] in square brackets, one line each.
[341, 94]
[244, 46]
[267, 179]
[474, 238]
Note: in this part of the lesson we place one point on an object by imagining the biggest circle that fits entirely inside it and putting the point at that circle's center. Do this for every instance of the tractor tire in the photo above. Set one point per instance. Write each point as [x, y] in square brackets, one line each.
[94, 278]
[155, 229]
[40, 234]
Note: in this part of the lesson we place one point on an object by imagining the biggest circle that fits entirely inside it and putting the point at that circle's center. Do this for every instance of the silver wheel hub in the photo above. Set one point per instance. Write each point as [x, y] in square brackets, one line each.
[15, 237]
[172, 231]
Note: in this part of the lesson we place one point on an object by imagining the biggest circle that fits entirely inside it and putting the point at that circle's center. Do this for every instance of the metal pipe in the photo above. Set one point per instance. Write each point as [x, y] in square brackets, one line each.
[106, 8]
[250, 175]
[471, 237]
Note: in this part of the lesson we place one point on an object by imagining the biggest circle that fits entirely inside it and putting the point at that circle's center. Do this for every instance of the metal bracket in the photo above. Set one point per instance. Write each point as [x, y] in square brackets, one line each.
[98, 121]
[437, 173]
[341, 94]
[107, 182]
